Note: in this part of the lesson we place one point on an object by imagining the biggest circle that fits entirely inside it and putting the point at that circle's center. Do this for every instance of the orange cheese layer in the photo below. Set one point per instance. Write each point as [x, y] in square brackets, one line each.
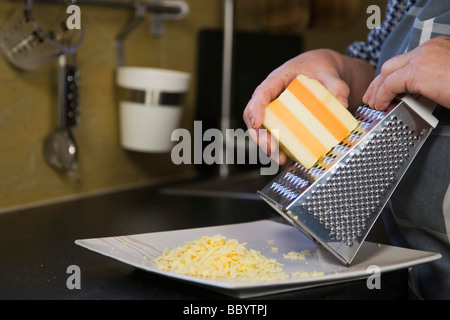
[318, 109]
[300, 131]
[310, 120]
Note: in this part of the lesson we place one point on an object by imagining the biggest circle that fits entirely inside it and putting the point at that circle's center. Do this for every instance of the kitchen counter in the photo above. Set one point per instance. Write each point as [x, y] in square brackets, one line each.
[37, 246]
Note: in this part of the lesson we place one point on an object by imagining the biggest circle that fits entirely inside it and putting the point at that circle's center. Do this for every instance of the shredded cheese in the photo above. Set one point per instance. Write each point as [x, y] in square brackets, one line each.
[297, 255]
[305, 275]
[216, 257]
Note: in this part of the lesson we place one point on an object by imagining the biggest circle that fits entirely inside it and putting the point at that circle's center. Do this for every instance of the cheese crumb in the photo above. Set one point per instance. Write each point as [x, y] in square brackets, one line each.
[274, 249]
[305, 275]
[297, 255]
[219, 258]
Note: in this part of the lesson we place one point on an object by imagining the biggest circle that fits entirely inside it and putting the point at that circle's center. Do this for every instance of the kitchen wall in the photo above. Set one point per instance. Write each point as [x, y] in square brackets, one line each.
[28, 108]
[28, 101]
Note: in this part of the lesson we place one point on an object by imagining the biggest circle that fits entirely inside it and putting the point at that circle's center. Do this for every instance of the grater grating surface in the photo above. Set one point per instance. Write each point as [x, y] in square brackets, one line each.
[337, 201]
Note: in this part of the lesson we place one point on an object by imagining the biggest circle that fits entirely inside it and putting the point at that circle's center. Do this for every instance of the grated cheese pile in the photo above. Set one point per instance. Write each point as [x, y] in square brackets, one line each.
[216, 257]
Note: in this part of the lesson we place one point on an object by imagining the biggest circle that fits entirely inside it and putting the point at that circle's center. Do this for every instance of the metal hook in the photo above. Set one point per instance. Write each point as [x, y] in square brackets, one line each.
[161, 11]
[139, 16]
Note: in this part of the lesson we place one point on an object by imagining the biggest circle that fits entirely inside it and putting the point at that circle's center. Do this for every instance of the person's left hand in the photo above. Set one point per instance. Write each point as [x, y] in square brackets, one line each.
[424, 70]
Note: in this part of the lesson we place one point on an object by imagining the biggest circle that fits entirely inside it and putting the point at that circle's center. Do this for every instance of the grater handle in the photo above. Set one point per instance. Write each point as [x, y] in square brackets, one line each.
[423, 107]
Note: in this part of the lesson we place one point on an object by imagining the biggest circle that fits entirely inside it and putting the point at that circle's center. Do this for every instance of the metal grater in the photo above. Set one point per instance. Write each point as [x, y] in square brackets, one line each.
[337, 201]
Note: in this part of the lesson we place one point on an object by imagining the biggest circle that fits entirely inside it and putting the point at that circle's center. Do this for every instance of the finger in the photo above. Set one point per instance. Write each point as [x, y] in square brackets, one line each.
[265, 93]
[389, 68]
[268, 144]
[275, 151]
[337, 88]
[369, 97]
[253, 134]
[254, 113]
[248, 119]
[395, 63]
[396, 83]
[263, 139]
[369, 92]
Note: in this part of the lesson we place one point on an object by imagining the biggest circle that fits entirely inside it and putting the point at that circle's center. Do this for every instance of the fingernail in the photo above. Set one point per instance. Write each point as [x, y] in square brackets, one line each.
[252, 121]
[364, 99]
[282, 158]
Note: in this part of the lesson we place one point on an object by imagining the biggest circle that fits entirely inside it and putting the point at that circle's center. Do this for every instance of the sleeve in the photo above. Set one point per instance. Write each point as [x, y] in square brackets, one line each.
[370, 50]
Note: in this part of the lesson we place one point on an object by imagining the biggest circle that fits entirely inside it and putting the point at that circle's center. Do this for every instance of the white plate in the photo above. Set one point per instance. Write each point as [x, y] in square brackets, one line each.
[139, 250]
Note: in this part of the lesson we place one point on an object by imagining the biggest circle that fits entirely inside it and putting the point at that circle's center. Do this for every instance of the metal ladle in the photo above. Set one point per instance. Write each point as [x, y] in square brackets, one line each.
[60, 148]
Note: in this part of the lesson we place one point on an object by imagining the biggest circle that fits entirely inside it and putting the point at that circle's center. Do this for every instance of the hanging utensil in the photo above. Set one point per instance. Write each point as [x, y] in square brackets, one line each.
[60, 148]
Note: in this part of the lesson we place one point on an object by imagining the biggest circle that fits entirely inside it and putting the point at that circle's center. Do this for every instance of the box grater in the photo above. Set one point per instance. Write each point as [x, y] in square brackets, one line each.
[337, 201]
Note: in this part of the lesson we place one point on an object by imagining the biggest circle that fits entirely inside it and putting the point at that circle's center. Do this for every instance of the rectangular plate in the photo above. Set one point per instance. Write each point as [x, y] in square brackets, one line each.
[139, 250]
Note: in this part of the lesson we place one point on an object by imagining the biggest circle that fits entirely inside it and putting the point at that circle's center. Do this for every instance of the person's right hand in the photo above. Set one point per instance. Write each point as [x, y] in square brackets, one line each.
[326, 66]
[423, 70]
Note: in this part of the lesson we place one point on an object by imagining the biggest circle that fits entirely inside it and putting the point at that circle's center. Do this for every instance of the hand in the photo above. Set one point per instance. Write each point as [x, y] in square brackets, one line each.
[424, 70]
[333, 70]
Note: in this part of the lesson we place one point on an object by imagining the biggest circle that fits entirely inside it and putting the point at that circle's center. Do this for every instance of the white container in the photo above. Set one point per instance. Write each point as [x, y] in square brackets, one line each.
[150, 107]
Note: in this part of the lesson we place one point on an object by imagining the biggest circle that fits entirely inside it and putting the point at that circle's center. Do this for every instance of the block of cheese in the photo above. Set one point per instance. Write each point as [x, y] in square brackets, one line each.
[309, 119]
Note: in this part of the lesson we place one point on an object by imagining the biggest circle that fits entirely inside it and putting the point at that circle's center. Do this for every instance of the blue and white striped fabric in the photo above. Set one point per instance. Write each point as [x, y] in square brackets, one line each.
[408, 24]
[370, 50]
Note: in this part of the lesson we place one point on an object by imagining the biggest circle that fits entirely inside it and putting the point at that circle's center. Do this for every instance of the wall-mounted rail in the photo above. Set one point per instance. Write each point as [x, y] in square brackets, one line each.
[160, 9]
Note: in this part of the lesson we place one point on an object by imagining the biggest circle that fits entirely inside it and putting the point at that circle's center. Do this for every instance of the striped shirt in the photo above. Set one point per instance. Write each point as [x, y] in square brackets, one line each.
[370, 50]
[408, 24]
[418, 215]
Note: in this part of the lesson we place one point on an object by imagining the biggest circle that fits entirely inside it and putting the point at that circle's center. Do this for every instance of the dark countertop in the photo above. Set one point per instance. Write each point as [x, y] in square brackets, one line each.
[37, 246]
